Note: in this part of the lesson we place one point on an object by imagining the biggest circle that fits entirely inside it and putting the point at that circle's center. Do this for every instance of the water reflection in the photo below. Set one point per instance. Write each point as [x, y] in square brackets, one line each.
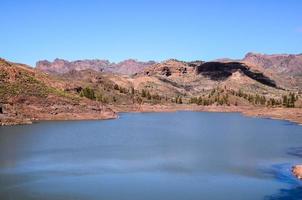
[295, 151]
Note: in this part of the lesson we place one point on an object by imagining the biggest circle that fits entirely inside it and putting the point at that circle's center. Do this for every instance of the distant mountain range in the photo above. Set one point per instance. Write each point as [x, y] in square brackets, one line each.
[281, 63]
[61, 66]
[285, 68]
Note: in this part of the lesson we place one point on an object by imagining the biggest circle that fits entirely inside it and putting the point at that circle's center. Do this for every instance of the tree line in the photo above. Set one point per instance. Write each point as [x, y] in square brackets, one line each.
[216, 96]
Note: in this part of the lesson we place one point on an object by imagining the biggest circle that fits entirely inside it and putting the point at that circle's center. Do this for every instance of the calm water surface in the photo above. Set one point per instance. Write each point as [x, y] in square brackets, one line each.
[163, 156]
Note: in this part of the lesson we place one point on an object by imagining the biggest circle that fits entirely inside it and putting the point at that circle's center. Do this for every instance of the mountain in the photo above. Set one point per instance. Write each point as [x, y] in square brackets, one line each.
[166, 82]
[60, 66]
[281, 63]
[286, 67]
[201, 78]
[172, 78]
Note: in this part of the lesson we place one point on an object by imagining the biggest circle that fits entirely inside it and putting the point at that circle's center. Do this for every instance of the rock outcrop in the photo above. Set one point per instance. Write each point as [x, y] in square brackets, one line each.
[168, 68]
[297, 171]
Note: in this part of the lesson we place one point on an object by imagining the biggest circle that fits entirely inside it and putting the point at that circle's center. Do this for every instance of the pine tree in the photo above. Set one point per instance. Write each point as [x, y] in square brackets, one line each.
[148, 95]
[291, 100]
[116, 87]
[132, 90]
[114, 99]
[88, 93]
[285, 101]
[139, 100]
[180, 100]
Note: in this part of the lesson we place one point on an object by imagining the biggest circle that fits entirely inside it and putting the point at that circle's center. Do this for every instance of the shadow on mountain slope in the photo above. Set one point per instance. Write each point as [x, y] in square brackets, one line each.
[221, 71]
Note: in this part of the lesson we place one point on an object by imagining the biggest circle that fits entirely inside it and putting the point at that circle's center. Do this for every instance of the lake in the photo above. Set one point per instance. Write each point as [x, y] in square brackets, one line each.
[143, 156]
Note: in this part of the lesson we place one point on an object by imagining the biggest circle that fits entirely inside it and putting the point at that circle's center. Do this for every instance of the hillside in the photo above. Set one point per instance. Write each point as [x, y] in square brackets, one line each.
[205, 79]
[26, 95]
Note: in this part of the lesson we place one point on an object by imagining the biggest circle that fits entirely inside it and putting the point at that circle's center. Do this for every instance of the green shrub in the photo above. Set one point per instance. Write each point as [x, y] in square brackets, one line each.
[88, 93]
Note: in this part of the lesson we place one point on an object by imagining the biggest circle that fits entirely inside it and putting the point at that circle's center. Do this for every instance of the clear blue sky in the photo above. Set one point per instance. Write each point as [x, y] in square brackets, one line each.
[31, 30]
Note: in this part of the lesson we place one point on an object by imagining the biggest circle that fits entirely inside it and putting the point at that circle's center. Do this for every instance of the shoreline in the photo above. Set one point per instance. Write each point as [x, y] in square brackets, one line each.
[288, 114]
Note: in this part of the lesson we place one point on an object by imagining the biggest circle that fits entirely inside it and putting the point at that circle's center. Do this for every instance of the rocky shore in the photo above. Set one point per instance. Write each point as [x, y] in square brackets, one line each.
[76, 113]
[9, 121]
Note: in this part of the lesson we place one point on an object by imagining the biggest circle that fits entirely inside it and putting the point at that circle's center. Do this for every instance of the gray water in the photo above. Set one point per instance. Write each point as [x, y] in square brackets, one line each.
[162, 156]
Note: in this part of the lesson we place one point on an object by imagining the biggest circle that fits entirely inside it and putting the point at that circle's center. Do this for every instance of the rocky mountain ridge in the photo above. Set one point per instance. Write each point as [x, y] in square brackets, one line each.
[282, 63]
[285, 68]
[60, 66]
